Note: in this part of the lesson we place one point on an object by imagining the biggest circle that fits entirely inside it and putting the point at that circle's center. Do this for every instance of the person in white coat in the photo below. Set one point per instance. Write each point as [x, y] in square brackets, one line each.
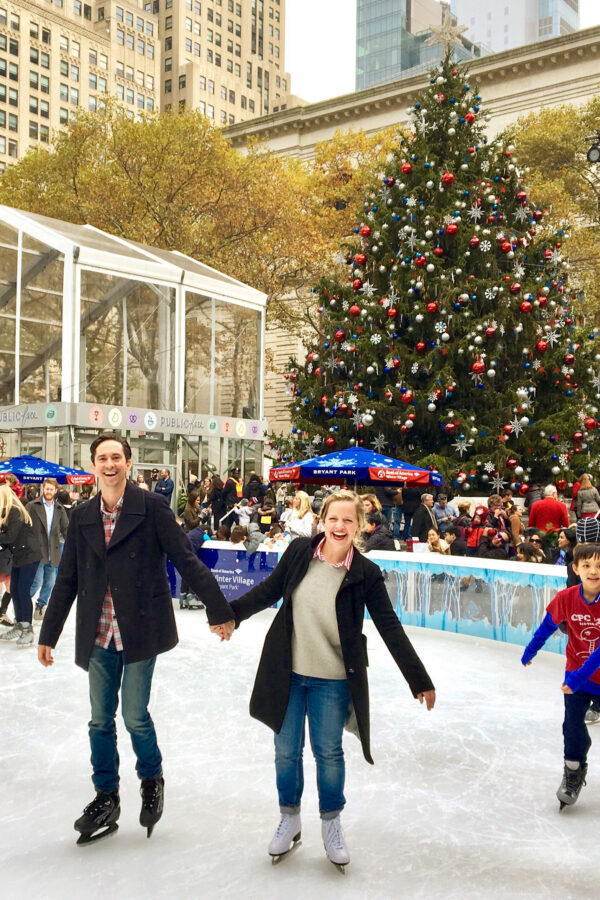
[302, 521]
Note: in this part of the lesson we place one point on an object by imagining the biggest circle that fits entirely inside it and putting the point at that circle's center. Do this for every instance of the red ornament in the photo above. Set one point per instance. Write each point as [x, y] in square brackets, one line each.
[357, 284]
[447, 178]
[542, 300]
[490, 331]
[324, 399]
[388, 394]
[420, 261]
[438, 251]
[330, 442]
[420, 346]
[404, 429]
[392, 312]
[541, 345]
[452, 228]
[524, 489]
[561, 484]
[590, 423]
[396, 362]
[512, 462]
[506, 246]
[474, 242]
[538, 215]
[508, 429]
[391, 181]
[525, 306]
[521, 196]
[478, 367]
[569, 359]
[547, 253]
[515, 288]
[432, 307]
[449, 428]
[318, 370]
[406, 397]
[360, 259]
[470, 118]
[578, 436]
[340, 334]
[406, 168]
[365, 231]
[354, 310]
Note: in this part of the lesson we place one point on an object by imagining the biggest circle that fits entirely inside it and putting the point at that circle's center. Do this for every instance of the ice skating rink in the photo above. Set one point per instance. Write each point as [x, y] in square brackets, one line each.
[460, 803]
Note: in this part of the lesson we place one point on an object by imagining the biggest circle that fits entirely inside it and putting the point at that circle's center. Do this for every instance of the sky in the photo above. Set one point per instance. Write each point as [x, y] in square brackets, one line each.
[320, 44]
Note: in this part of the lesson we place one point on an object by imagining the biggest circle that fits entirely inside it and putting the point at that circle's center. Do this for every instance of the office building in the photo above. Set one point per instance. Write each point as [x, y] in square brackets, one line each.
[503, 24]
[392, 40]
[223, 57]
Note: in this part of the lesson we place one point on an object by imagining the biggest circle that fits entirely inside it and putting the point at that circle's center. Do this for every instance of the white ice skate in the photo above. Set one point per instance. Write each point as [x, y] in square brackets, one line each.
[25, 639]
[286, 837]
[335, 845]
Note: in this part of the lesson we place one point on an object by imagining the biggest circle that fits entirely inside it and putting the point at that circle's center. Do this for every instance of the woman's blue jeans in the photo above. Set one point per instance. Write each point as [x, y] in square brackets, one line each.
[108, 673]
[325, 701]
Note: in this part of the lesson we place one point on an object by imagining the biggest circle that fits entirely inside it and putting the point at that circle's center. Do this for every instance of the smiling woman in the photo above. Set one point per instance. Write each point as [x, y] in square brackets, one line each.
[314, 663]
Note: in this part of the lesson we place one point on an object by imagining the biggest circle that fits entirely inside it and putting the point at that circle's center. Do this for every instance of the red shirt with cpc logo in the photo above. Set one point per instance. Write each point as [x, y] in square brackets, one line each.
[583, 626]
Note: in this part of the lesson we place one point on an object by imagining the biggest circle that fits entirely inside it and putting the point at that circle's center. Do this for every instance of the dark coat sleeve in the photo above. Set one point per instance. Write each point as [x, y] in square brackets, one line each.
[396, 640]
[65, 589]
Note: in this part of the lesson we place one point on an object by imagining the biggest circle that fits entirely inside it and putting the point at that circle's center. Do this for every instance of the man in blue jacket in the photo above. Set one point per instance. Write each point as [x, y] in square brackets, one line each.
[165, 485]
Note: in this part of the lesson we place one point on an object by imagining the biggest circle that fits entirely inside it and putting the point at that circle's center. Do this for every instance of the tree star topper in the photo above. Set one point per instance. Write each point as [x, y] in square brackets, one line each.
[446, 34]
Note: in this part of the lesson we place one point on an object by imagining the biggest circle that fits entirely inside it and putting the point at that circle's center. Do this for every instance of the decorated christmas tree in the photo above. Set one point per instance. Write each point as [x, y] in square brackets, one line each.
[451, 338]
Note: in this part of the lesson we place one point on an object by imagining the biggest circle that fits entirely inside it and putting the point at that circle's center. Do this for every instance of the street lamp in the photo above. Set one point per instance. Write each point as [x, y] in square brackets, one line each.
[593, 153]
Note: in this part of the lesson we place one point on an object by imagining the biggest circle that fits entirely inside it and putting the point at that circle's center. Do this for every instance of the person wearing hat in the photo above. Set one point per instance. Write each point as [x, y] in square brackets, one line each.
[153, 480]
[233, 489]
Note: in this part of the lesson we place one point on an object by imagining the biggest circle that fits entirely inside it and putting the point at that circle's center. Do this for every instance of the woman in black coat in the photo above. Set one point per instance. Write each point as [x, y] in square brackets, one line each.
[217, 504]
[18, 536]
[314, 662]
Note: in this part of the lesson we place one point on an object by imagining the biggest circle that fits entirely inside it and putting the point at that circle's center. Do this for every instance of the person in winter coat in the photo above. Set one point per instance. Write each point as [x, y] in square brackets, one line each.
[493, 544]
[423, 519]
[50, 522]
[453, 537]
[314, 663]
[437, 544]
[249, 535]
[375, 536]
[18, 536]
[267, 515]
[301, 521]
[587, 502]
[233, 489]
[255, 489]
[217, 503]
[191, 513]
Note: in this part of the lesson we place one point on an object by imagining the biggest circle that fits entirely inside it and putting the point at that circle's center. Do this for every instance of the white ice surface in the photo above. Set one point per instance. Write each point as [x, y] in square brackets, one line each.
[460, 803]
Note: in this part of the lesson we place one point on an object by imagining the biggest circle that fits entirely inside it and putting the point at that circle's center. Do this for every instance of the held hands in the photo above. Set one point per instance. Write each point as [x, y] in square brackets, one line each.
[566, 689]
[428, 697]
[225, 630]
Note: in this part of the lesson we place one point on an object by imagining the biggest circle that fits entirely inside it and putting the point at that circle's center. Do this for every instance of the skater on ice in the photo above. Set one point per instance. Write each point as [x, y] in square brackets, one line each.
[314, 663]
[114, 563]
[579, 608]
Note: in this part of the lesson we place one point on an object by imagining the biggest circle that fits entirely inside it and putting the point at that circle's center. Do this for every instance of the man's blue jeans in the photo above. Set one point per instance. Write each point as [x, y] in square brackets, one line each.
[107, 674]
[326, 702]
[44, 581]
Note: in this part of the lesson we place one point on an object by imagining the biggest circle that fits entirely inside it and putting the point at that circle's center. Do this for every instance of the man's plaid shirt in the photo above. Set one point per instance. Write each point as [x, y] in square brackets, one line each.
[108, 628]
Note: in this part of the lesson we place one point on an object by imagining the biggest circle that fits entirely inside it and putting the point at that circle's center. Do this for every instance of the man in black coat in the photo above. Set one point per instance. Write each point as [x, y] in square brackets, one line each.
[114, 563]
[50, 522]
[423, 519]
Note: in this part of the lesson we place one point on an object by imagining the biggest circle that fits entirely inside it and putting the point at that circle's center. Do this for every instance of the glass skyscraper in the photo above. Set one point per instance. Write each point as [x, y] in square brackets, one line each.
[502, 24]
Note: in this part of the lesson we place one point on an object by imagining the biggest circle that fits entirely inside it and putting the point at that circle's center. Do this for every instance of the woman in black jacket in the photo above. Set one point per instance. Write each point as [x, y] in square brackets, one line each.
[217, 504]
[314, 662]
[17, 535]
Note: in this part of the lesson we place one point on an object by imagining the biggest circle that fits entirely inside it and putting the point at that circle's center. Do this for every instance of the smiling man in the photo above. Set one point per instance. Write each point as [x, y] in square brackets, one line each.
[114, 562]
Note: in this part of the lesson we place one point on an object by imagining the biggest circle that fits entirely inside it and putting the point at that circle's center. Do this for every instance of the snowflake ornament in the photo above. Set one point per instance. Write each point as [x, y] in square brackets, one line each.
[489, 294]
[345, 305]
[489, 466]
[375, 338]
[339, 258]
[357, 418]
[521, 215]
[440, 327]
[485, 165]
[596, 382]
[515, 427]
[412, 241]
[414, 368]
[556, 258]
[367, 289]
[537, 364]
[553, 337]
[563, 460]
[475, 213]
[485, 246]
[461, 446]
[380, 443]
[448, 220]
[498, 483]
[518, 271]
[411, 201]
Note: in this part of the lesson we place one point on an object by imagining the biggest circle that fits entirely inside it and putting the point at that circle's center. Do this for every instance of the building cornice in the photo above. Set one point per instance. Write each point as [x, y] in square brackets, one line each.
[520, 62]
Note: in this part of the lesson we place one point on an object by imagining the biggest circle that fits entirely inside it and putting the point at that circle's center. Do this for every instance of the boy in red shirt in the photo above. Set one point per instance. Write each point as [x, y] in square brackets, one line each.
[579, 608]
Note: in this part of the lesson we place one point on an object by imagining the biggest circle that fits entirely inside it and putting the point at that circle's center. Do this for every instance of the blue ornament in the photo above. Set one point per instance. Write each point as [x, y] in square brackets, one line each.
[294, 431]
[417, 106]
[374, 209]
[336, 427]
[426, 165]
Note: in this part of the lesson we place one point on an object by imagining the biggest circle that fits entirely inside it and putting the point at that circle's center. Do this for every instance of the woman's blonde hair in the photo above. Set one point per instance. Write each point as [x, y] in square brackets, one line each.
[373, 500]
[585, 482]
[8, 500]
[305, 506]
[353, 497]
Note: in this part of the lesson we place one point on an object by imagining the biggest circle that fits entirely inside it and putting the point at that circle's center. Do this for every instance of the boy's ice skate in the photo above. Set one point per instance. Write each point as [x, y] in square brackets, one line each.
[153, 799]
[286, 837]
[335, 845]
[99, 818]
[572, 782]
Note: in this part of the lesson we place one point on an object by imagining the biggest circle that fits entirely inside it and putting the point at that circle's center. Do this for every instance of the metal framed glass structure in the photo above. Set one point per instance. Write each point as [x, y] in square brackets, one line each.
[101, 332]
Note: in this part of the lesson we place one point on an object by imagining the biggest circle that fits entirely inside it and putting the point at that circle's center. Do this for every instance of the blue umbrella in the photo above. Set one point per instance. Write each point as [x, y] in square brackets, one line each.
[32, 468]
[355, 463]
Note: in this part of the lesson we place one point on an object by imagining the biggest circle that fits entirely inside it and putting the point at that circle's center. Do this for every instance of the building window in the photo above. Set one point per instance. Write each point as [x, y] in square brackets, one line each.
[251, 105]
[103, 61]
[232, 96]
[120, 92]
[119, 69]
[181, 82]
[33, 80]
[168, 63]
[210, 111]
[230, 65]
[223, 117]
[33, 105]
[140, 101]
[74, 73]
[45, 60]
[149, 104]
[64, 68]
[118, 14]
[63, 116]
[129, 95]
[87, 12]
[197, 29]
[217, 39]
[93, 81]
[202, 107]
[2, 16]
[150, 82]
[44, 109]
[141, 46]
[211, 86]
[150, 51]
[238, 50]
[44, 134]
[237, 70]
[139, 23]
[209, 56]
[34, 55]
[210, 15]
[243, 102]
[12, 149]
[188, 45]
[13, 72]
[129, 18]
[168, 43]
[197, 8]
[139, 78]
[33, 130]
[13, 47]
[129, 41]
[168, 22]
[64, 92]
[15, 22]
[223, 92]
[93, 58]
[149, 29]
[75, 96]
[217, 59]
[168, 86]
[92, 104]
[196, 49]
[120, 37]
[44, 84]
[13, 122]
[231, 119]
[209, 35]
[129, 73]
[230, 46]
[77, 7]
[188, 23]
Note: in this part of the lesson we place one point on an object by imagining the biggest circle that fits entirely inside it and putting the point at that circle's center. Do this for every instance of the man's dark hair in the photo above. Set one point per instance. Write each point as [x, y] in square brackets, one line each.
[238, 534]
[51, 481]
[110, 437]
[455, 530]
[442, 497]
[585, 551]
[374, 518]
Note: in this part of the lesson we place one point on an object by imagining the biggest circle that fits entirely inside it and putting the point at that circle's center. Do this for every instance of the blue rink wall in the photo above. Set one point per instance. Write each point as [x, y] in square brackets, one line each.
[503, 601]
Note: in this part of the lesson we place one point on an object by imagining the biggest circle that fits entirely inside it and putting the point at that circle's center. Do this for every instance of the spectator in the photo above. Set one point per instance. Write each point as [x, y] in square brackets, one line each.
[588, 530]
[370, 504]
[14, 484]
[255, 489]
[515, 524]
[454, 538]
[275, 539]
[464, 516]
[32, 492]
[563, 554]
[537, 539]
[165, 485]
[287, 511]
[386, 494]
[233, 489]
[17, 535]
[423, 519]
[549, 514]
[493, 544]
[267, 515]
[497, 516]
[317, 502]
[533, 495]
[445, 513]
[529, 553]
[217, 504]
[5, 567]
[411, 500]
[301, 522]
[587, 502]
[192, 484]
[244, 513]
[476, 530]
[223, 533]
[191, 513]
[375, 536]
[141, 483]
[436, 543]
[153, 480]
[280, 498]
[66, 501]
[250, 536]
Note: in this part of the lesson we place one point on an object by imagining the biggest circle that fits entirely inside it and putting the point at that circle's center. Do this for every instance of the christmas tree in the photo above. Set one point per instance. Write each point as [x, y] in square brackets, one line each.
[452, 339]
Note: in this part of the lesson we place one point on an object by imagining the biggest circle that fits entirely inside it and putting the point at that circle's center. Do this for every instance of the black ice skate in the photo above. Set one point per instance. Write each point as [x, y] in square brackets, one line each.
[99, 818]
[572, 782]
[153, 797]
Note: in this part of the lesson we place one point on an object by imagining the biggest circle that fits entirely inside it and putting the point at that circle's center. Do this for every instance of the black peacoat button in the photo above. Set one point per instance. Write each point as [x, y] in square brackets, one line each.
[350, 671]
[131, 555]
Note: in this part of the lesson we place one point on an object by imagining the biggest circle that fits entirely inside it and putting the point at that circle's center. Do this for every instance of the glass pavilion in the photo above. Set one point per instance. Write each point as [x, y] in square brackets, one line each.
[101, 333]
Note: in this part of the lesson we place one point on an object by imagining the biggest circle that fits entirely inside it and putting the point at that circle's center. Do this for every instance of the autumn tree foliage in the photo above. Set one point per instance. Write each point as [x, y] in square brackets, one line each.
[450, 336]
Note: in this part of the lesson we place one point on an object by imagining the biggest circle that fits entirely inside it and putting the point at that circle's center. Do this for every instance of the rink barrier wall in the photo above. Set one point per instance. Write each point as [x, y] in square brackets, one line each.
[500, 600]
